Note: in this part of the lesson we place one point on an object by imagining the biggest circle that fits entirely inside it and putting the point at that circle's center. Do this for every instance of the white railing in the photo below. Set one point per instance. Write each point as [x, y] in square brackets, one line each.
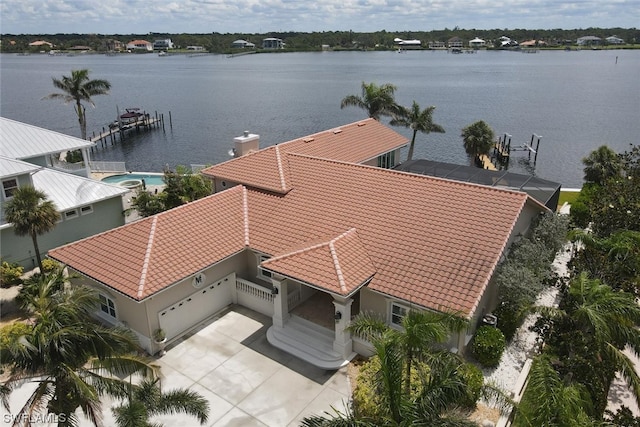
[108, 166]
[293, 299]
[68, 166]
[255, 297]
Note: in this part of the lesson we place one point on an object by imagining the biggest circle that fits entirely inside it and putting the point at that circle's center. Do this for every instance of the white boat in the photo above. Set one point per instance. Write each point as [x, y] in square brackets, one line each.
[162, 53]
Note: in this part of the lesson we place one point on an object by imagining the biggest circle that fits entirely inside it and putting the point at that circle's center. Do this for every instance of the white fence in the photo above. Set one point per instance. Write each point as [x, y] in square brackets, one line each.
[108, 167]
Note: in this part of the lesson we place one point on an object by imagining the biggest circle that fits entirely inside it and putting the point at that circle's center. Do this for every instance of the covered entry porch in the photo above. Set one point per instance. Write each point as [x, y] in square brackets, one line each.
[314, 330]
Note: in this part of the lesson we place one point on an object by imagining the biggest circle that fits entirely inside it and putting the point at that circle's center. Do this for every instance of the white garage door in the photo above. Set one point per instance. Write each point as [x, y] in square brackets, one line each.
[206, 301]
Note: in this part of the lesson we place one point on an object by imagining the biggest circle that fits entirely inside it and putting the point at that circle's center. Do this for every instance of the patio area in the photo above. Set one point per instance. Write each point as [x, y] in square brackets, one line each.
[247, 381]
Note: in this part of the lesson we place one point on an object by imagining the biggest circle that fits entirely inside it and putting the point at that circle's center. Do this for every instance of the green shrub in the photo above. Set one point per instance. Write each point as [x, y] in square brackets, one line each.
[49, 265]
[474, 379]
[11, 332]
[10, 274]
[488, 345]
[510, 317]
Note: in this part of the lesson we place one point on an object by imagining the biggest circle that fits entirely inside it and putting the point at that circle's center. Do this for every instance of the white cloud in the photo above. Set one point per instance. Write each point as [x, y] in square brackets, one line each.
[259, 16]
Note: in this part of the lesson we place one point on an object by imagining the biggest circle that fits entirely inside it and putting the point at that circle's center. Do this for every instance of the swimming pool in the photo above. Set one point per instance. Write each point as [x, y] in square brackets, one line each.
[149, 178]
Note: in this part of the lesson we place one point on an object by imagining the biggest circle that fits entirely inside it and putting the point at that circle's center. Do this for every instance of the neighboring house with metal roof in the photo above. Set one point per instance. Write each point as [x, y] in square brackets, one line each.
[43, 147]
[86, 206]
[310, 232]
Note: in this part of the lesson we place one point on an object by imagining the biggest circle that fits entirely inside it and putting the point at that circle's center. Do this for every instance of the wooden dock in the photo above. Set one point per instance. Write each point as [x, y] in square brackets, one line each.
[486, 163]
[119, 130]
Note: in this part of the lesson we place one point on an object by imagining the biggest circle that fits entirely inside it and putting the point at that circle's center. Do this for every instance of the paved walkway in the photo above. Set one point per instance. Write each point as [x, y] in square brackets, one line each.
[246, 381]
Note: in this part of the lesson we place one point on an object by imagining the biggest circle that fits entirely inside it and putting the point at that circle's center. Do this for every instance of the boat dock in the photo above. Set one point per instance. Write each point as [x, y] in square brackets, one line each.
[127, 123]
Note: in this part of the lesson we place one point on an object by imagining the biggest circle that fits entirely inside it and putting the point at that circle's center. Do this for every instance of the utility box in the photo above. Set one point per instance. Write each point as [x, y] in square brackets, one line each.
[490, 320]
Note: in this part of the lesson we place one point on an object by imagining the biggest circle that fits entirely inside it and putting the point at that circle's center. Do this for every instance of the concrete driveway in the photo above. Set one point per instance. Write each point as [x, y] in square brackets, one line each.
[246, 381]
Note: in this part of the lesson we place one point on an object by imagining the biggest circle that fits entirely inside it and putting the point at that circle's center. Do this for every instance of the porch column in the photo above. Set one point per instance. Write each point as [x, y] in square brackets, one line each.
[87, 159]
[280, 301]
[342, 341]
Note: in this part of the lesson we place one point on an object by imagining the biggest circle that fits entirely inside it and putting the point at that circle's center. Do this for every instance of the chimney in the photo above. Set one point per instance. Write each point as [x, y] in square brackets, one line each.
[246, 143]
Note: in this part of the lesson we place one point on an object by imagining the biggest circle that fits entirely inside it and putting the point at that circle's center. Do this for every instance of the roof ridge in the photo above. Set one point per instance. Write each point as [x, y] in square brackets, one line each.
[342, 127]
[147, 257]
[283, 183]
[245, 212]
[336, 260]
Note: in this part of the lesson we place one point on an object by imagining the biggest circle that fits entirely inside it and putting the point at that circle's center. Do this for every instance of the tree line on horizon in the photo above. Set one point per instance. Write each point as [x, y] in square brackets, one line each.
[221, 43]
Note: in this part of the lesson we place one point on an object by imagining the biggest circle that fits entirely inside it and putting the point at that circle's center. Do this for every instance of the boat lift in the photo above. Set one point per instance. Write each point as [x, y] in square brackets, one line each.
[503, 148]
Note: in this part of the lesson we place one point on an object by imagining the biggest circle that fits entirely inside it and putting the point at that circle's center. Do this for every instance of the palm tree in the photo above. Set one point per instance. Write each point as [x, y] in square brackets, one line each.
[421, 330]
[548, 401]
[377, 100]
[601, 164]
[78, 88]
[417, 120]
[478, 139]
[73, 360]
[31, 214]
[147, 399]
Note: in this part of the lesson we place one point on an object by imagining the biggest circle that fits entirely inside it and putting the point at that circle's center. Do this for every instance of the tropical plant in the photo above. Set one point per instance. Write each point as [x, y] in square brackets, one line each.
[78, 88]
[417, 120]
[488, 345]
[587, 334]
[146, 400]
[478, 139]
[72, 360]
[10, 274]
[32, 214]
[549, 401]
[601, 165]
[421, 331]
[376, 100]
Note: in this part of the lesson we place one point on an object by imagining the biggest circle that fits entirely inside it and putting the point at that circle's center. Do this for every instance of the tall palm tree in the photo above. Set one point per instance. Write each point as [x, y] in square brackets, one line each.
[601, 164]
[78, 88]
[478, 139]
[73, 360]
[147, 399]
[31, 213]
[421, 331]
[416, 119]
[377, 100]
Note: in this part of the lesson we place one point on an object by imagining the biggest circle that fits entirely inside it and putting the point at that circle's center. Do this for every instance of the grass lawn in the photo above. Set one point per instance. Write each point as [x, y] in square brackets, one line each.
[568, 197]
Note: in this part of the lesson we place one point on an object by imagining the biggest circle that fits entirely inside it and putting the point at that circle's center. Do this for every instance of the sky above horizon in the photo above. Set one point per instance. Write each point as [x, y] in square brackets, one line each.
[264, 16]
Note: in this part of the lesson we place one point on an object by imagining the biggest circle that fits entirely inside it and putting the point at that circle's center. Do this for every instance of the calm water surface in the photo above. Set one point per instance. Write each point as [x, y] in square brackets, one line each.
[577, 101]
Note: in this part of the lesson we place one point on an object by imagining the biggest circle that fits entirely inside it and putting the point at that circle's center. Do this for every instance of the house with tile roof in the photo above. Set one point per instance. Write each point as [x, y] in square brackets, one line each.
[310, 232]
[31, 156]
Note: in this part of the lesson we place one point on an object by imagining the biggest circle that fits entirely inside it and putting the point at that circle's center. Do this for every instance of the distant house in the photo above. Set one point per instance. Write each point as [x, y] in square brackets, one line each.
[272, 43]
[614, 40]
[477, 43]
[39, 43]
[506, 42]
[589, 41]
[455, 42]
[113, 45]
[162, 44]
[196, 48]
[309, 223]
[533, 43]
[436, 45]
[242, 44]
[407, 44]
[30, 157]
[140, 45]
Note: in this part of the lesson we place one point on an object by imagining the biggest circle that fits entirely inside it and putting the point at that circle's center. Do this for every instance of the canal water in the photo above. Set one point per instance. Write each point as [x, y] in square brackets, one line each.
[575, 100]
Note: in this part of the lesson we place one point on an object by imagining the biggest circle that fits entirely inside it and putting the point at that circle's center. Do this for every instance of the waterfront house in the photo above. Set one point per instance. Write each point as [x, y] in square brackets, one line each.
[272, 43]
[589, 41]
[162, 44]
[407, 44]
[455, 42]
[30, 156]
[477, 43]
[309, 232]
[436, 44]
[142, 45]
[242, 44]
[614, 40]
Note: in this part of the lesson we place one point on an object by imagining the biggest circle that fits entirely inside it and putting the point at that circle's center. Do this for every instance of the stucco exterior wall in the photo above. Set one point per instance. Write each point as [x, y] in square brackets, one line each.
[106, 215]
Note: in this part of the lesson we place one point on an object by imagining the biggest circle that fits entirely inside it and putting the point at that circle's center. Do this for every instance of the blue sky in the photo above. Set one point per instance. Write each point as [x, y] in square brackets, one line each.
[263, 16]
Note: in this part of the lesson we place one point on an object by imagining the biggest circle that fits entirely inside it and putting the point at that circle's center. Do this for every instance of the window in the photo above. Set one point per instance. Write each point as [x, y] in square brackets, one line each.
[9, 186]
[398, 313]
[263, 274]
[387, 160]
[86, 210]
[107, 306]
[73, 213]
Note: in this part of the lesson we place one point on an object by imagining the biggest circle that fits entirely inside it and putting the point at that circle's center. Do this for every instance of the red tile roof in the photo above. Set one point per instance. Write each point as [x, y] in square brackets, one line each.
[430, 241]
[354, 143]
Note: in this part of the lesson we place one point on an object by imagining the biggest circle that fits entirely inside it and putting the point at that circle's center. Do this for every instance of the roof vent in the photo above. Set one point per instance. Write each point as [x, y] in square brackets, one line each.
[308, 139]
[246, 133]
[361, 124]
[336, 131]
